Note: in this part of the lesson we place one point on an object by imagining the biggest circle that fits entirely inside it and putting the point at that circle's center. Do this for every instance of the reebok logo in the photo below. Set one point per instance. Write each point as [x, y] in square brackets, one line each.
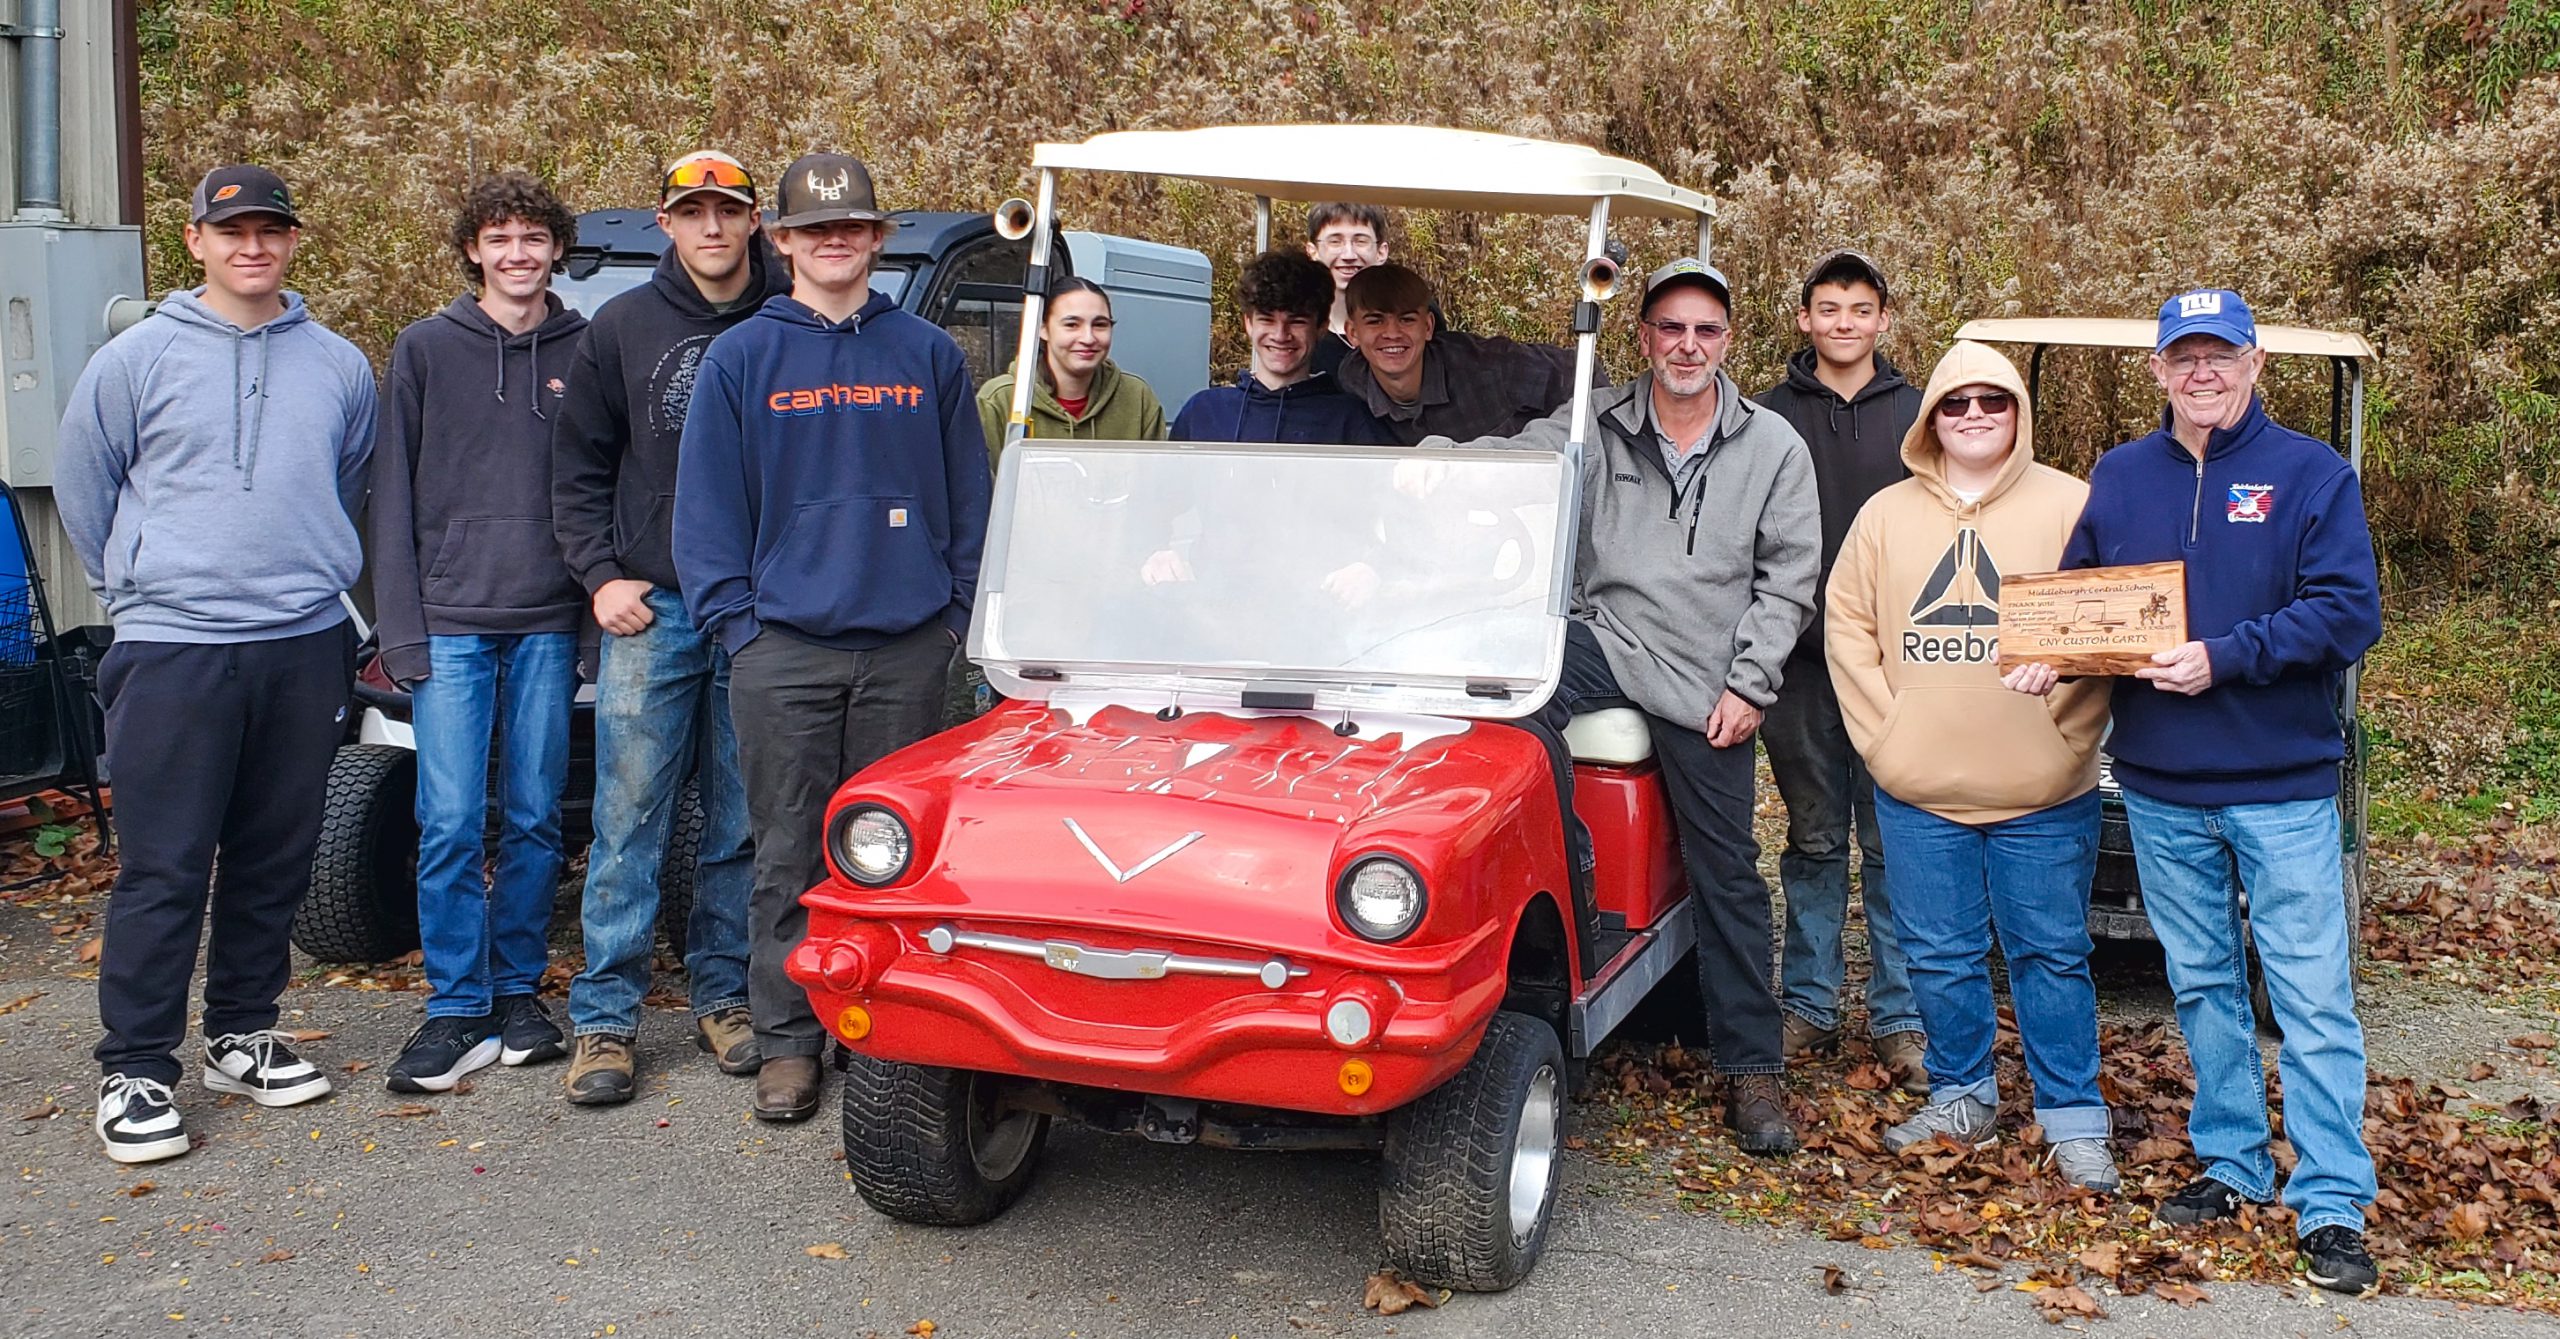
[827, 399]
[1943, 603]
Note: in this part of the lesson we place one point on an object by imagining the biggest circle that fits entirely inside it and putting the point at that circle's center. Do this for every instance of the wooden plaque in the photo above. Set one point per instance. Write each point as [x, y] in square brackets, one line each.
[2097, 620]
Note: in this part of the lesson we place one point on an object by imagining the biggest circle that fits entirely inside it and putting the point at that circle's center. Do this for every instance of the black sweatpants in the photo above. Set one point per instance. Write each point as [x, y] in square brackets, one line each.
[808, 717]
[221, 759]
[1711, 794]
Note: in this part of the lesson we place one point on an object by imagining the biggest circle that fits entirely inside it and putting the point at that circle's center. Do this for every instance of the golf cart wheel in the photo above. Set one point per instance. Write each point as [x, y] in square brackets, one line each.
[363, 903]
[679, 868]
[1470, 1169]
[932, 1146]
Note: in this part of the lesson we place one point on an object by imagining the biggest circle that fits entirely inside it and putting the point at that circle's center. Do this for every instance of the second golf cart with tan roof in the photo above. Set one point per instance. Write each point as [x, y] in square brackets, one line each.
[1246, 861]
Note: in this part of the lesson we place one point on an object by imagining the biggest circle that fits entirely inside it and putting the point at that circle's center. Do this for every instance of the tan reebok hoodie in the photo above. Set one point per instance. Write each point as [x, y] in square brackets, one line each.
[1913, 629]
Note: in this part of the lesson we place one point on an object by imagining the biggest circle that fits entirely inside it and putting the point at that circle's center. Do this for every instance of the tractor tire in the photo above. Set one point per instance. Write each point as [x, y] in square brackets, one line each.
[925, 1145]
[679, 868]
[1470, 1169]
[363, 903]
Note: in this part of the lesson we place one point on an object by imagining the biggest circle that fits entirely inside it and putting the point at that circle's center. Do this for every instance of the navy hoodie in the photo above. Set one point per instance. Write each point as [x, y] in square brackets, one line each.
[613, 452]
[461, 519]
[2281, 589]
[833, 481]
[1314, 411]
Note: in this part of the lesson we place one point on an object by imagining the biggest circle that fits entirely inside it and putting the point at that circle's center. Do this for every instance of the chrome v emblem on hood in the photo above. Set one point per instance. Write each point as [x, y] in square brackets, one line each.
[1119, 875]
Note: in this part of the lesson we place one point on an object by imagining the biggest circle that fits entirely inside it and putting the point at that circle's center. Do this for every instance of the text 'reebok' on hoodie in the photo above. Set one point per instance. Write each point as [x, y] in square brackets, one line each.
[833, 482]
[1913, 630]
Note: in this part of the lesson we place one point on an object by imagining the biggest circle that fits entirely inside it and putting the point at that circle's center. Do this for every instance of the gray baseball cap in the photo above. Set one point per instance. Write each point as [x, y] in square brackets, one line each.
[1686, 270]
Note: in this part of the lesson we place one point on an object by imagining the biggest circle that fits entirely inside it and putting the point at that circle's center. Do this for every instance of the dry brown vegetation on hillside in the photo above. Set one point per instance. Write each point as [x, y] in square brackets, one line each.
[2332, 159]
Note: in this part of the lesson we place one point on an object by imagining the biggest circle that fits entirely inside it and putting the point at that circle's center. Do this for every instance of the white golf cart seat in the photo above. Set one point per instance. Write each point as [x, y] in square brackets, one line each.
[1614, 736]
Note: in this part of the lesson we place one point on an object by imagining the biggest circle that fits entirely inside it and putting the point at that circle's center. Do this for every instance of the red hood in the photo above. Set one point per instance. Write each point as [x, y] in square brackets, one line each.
[1278, 803]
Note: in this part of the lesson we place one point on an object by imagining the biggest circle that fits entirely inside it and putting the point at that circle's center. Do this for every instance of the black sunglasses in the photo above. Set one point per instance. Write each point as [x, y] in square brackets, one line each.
[1992, 402]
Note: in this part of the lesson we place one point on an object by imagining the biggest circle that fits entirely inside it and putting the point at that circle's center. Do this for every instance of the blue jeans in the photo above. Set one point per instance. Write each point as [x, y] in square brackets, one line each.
[2195, 862]
[1828, 794]
[484, 941]
[662, 715]
[2028, 877]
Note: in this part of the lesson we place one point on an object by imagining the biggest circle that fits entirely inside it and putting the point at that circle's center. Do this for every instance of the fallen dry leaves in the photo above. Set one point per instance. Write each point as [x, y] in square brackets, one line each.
[825, 1250]
[2469, 1203]
[1390, 1294]
[407, 1111]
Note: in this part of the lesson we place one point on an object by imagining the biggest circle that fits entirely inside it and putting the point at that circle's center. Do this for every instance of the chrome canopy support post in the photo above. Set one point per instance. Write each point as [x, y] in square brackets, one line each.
[1600, 280]
[1586, 326]
[1706, 237]
[1035, 292]
[1261, 224]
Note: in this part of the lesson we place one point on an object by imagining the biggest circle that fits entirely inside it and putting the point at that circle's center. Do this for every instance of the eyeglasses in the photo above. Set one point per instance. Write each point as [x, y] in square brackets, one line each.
[1994, 404]
[697, 171]
[2188, 364]
[1708, 332]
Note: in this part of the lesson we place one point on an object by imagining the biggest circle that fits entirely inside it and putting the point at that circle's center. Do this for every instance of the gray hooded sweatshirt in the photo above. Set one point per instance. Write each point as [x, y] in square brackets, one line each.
[1696, 585]
[210, 476]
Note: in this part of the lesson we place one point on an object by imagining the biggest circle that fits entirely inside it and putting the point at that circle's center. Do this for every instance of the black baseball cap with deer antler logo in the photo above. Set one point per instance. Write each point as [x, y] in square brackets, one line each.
[825, 188]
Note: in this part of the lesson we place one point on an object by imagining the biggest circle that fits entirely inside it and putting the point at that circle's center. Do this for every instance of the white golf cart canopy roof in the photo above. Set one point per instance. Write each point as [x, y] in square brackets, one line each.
[2102, 332]
[1414, 167]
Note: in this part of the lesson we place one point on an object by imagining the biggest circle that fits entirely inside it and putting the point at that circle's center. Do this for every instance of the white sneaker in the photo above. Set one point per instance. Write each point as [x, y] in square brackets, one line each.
[263, 1068]
[137, 1121]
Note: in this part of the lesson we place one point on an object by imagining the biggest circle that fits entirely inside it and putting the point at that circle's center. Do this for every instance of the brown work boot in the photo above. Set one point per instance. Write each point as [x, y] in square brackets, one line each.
[787, 1088]
[600, 1071]
[1755, 1109]
[1905, 1055]
[730, 1036]
[1797, 1037]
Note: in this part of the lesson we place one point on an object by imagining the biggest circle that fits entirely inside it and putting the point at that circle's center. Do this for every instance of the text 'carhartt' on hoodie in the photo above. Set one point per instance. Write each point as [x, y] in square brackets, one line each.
[209, 476]
[1912, 629]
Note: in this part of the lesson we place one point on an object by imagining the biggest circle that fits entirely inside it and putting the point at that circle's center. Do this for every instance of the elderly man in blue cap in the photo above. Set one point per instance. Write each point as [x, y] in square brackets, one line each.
[2228, 753]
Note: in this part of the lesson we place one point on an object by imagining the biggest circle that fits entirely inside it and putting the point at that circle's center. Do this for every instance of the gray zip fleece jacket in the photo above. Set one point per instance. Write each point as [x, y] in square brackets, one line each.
[1698, 585]
[209, 476]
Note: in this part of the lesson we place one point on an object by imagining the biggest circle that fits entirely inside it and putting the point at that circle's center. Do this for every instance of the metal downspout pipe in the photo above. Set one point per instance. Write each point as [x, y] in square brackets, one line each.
[39, 34]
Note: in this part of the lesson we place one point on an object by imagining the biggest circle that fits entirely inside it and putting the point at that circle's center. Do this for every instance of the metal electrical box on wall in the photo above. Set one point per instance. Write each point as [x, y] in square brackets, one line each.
[55, 282]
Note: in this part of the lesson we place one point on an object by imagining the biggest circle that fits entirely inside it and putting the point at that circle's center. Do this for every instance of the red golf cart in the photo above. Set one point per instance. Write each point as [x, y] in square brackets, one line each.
[1256, 857]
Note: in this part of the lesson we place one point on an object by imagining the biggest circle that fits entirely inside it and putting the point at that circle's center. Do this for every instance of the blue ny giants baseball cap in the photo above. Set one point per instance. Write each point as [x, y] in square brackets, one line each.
[2218, 312]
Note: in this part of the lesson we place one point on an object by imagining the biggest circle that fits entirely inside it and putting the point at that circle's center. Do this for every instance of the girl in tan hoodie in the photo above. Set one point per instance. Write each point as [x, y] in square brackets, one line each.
[1986, 797]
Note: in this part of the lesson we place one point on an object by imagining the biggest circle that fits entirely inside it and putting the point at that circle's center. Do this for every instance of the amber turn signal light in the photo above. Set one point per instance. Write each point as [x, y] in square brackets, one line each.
[1355, 1077]
[854, 1023]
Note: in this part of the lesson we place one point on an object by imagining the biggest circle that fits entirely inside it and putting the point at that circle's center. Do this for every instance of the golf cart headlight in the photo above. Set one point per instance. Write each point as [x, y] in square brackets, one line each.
[1380, 898]
[871, 845]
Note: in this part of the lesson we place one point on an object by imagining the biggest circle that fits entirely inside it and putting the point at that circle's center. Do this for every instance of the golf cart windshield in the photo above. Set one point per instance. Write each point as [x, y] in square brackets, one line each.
[1326, 578]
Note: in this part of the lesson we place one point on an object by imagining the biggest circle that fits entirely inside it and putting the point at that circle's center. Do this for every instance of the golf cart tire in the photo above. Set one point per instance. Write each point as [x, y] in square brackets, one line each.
[680, 868]
[363, 903]
[1444, 1199]
[909, 1146]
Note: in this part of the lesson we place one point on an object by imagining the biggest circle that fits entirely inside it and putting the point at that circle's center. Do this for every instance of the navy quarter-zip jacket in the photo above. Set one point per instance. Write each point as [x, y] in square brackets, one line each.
[2281, 589]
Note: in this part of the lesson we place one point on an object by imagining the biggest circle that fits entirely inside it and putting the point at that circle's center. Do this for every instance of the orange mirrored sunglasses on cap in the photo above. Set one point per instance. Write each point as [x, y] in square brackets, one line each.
[707, 171]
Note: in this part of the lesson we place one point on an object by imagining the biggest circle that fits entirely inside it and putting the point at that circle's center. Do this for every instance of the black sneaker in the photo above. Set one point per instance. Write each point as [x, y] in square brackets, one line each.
[137, 1121]
[526, 1034]
[262, 1067]
[440, 1053]
[2204, 1200]
[2335, 1258]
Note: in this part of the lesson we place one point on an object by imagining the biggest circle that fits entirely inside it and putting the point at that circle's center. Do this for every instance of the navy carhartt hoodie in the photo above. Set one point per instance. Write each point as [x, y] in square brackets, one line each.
[2281, 589]
[832, 484]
